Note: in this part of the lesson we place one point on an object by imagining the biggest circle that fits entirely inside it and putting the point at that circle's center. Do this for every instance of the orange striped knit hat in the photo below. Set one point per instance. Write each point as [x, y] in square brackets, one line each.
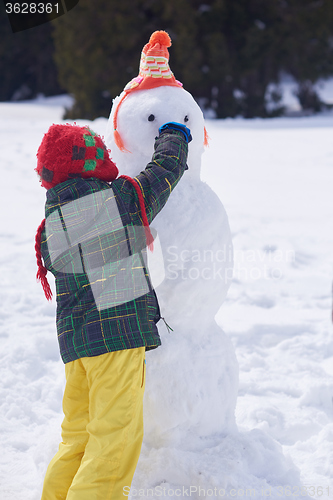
[154, 72]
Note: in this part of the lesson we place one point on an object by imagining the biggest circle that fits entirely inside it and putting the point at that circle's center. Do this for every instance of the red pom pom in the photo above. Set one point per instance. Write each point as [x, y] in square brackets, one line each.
[160, 37]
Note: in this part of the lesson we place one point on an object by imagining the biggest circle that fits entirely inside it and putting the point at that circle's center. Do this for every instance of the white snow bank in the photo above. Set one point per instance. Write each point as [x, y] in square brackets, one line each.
[275, 180]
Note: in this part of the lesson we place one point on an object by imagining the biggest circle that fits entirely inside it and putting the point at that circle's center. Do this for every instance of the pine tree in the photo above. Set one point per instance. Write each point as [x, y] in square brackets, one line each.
[98, 48]
[226, 52]
[238, 37]
[26, 62]
[307, 45]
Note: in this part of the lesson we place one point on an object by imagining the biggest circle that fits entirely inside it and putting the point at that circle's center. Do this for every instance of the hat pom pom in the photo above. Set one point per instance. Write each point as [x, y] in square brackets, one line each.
[160, 37]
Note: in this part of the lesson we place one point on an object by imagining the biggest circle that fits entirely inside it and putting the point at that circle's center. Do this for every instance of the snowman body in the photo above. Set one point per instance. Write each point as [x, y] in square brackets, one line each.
[183, 406]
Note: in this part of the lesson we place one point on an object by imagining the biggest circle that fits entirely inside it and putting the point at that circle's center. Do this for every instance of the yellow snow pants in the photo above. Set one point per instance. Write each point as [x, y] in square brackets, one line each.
[102, 430]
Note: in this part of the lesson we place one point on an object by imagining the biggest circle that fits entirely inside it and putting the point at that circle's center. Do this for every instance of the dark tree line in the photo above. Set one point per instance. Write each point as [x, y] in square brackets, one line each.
[226, 52]
[27, 64]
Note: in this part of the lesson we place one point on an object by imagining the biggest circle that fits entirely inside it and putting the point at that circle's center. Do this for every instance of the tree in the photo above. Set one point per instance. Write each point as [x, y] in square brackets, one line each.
[26, 62]
[98, 50]
[226, 52]
[307, 45]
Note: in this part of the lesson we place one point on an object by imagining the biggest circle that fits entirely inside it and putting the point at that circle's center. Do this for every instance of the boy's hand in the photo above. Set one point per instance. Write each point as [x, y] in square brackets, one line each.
[177, 126]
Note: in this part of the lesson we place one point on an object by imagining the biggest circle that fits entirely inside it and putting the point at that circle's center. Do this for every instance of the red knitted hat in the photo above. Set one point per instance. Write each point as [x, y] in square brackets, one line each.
[69, 151]
[154, 72]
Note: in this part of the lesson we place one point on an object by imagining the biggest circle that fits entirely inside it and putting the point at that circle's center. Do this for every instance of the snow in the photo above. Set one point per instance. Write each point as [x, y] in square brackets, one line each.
[287, 87]
[274, 179]
[277, 192]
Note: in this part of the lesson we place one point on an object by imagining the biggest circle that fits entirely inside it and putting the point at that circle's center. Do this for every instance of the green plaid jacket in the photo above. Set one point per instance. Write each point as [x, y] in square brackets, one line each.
[94, 244]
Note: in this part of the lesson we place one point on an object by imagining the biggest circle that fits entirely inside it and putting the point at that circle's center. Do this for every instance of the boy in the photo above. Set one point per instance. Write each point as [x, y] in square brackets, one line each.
[93, 240]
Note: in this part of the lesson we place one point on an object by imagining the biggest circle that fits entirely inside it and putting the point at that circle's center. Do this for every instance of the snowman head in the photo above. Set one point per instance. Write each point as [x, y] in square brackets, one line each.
[151, 99]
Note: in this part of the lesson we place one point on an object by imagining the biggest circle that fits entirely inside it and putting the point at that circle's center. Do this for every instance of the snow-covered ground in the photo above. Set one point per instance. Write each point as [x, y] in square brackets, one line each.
[274, 178]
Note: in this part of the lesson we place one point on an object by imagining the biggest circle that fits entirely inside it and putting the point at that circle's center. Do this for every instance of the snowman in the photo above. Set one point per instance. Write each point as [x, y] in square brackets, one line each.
[192, 379]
